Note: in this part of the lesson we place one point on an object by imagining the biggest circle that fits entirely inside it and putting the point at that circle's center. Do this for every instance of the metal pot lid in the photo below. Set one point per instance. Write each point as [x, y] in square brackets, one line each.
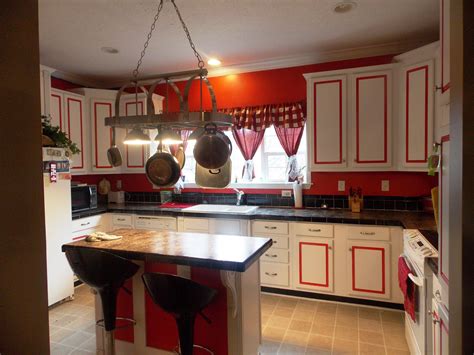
[214, 178]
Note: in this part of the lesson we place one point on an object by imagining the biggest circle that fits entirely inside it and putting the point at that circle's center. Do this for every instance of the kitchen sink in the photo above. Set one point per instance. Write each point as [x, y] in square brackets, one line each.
[205, 208]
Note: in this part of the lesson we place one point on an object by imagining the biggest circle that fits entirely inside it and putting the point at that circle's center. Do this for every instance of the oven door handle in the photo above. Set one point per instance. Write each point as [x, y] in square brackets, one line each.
[416, 280]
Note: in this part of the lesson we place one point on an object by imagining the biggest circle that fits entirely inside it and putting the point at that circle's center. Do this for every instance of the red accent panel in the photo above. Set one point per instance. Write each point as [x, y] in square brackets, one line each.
[161, 331]
[407, 106]
[213, 336]
[61, 84]
[96, 140]
[126, 146]
[358, 160]
[125, 309]
[326, 246]
[60, 110]
[340, 123]
[443, 275]
[353, 269]
[444, 87]
[69, 129]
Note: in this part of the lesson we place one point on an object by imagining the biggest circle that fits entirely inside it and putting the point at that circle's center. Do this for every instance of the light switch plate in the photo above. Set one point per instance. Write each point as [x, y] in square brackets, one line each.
[285, 193]
[341, 185]
[385, 185]
[119, 185]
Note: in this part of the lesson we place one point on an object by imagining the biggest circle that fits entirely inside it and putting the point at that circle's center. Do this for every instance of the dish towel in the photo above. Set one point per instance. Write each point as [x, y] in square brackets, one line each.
[407, 286]
[101, 236]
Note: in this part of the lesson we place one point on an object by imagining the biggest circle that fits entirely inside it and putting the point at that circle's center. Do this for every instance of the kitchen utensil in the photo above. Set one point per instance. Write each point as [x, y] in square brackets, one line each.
[104, 186]
[213, 149]
[162, 169]
[180, 156]
[434, 198]
[214, 178]
[113, 153]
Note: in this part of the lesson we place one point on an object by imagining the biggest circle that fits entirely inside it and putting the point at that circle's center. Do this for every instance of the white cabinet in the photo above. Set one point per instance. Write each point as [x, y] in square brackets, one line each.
[314, 257]
[193, 224]
[57, 108]
[121, 221]
[327, 126]
[370, 119]
[135, 155]
[440, 329]
[75, 129]
[157, 223]
[368, 269]
[82, 227]
[444, 201]
[444, 36]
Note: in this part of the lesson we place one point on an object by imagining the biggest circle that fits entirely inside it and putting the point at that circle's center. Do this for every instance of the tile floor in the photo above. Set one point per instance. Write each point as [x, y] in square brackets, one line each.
[293, 326]
[289, 326]
[72, 325]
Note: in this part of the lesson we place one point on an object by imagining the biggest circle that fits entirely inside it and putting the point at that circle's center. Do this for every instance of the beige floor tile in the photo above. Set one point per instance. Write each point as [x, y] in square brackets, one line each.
[264, 319]
[81, 352]
[287, 302]
[346, 320]
[369, 313]
[322, 329]
[320, 342]
[283, 312]
[76, 339]
[300, 314]
[303, 305]
[61, 334]
[370, 324]
[64, 320]
[53, 329]
[314, 351]
[295, 338]
[391, 351]
[392, 316]
[89, 345]
[290, 349]
[366, 336]
[279, 322]
[269, 347]
[325, 307]
[347, 309]
[60, 349]
[393, 330]
[342, 346]
[267, 308]
[269, 299]
[346, 333]
[325, 318]
[300, 325]
[396, 342]
[371, 349]
[274, 334]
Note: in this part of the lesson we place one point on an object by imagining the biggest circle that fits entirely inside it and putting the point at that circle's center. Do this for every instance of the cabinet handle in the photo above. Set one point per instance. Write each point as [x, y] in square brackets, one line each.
[271, 255]
[274, 242]
[367, 233]
[435, 321]
[270, 227]
[314, 230]
[438, 88]
[330, 248]
[85, 224]
[121, 219]
[350, 249]
[272, 274]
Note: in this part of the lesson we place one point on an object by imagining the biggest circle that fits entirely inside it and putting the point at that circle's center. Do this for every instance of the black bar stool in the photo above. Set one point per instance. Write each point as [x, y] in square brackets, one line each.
[106, 274]
[183, 299]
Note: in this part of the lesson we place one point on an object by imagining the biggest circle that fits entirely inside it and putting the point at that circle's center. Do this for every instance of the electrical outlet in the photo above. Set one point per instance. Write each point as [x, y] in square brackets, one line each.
[285, 193]
[341, 185]
[385, 185]
[119, 185]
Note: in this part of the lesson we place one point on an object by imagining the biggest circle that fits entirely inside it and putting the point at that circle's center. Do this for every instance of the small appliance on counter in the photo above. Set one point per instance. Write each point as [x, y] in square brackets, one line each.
[356, 201]
[83, 197]
[116, 196]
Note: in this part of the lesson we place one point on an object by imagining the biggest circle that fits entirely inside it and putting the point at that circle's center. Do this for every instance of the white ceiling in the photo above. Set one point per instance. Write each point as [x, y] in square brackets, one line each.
[239, 32]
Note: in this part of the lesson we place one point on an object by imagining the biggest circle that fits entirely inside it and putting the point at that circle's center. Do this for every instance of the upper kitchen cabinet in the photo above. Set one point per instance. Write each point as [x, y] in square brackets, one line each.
[326, 130]
[444, 35]
[370, 119]
[56, 108]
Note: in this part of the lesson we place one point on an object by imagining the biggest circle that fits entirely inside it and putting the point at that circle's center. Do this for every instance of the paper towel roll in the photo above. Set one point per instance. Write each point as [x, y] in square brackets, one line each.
[298, 195]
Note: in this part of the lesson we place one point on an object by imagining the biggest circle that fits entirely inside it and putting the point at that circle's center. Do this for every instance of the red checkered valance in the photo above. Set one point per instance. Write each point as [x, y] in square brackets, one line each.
[256, 118]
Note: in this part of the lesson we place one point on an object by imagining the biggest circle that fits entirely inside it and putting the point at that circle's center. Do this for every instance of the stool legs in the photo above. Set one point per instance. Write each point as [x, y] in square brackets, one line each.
[185, 324]
[109, 344]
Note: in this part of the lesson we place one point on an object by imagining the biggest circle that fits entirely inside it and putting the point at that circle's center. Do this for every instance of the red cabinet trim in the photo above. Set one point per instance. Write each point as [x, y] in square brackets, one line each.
[443, 275]
[384, 76]
[326, 246]
[354, 288]
[407, 109]
[95, 129]
[340, 122]
[444, 87]
[60, 110]
[69, 128]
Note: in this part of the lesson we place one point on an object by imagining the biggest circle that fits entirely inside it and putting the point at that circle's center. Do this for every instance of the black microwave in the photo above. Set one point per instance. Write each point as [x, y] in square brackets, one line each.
[83, 197]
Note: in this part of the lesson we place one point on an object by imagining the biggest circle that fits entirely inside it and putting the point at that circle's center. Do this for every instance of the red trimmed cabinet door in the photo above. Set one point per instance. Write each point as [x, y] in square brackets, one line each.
[314, 269]
[327, 110]
[371, 119]
[56, 109]
[368, 265]
[75, 129]
[417, 114]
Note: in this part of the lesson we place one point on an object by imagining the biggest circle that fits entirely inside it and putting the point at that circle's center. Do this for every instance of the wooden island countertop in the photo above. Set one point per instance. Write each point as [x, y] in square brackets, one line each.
[214, 251]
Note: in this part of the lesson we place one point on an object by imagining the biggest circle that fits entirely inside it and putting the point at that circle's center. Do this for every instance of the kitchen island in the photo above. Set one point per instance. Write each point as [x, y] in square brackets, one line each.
[230, 264]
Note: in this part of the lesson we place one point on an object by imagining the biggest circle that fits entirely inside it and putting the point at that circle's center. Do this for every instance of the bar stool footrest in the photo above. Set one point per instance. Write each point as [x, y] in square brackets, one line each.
[132, 323]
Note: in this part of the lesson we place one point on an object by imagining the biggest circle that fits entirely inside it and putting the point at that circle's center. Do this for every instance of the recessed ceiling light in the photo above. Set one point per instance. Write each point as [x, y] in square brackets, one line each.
[110, 50]
[214, 62]
[344, 7]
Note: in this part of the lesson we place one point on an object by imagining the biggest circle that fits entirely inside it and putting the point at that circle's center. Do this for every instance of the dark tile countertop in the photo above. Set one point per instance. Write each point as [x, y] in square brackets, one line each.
[410, 220]
[232, 253]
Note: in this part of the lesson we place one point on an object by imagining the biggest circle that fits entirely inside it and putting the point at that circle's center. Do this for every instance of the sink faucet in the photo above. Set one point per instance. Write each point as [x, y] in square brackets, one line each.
[239, 194]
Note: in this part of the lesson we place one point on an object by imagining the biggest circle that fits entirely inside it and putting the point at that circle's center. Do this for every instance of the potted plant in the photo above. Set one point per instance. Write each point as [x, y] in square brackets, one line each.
[54, 137]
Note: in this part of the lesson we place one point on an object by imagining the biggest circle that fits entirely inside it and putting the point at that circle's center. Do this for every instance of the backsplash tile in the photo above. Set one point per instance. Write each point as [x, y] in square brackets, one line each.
[387, 203]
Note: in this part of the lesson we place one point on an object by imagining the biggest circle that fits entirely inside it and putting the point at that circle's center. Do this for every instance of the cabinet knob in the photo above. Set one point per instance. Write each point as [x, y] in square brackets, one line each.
[272, 274]
[350, 249]
[330, 248]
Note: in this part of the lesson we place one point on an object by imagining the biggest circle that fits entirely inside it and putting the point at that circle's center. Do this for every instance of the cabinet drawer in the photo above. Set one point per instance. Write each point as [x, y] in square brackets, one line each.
[314, 230]
[275, 255]
[122, 220]
[368, 233]
[79, 235]
[196, 225]
[280, 242]
[274, 274]
[86, 223]
[268, 227]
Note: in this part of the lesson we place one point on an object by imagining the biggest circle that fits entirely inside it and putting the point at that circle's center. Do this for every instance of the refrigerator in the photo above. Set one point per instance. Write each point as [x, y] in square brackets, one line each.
[58, 222]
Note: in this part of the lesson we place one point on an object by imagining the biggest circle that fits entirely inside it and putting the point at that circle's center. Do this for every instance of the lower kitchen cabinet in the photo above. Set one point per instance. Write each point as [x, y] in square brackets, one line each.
[274, 274]
[315, 270]
[368, 268]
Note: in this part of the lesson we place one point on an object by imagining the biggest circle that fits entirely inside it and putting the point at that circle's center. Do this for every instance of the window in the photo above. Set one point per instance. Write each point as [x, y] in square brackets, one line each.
[269, 162]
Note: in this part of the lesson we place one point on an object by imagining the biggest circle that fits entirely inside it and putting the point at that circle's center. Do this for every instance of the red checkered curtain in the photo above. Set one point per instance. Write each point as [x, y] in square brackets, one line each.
[290, 139]
[248, 142]
[257, 118]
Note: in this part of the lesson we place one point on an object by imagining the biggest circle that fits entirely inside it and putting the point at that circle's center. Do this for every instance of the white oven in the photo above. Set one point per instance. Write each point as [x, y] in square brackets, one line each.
[415, 249]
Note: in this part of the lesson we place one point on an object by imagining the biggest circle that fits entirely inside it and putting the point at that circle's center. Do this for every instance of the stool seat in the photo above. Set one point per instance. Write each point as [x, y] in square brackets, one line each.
[182, 298]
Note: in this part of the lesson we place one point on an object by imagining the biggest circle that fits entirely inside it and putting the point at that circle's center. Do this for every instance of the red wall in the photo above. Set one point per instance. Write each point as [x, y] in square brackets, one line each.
[278, 86]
